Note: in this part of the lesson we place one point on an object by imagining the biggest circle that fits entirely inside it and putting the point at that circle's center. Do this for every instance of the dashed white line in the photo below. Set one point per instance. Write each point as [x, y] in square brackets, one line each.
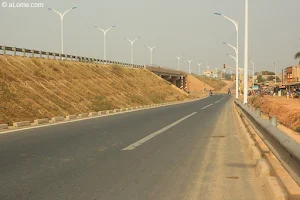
[145, 139]
[217, 101]
[206, 106]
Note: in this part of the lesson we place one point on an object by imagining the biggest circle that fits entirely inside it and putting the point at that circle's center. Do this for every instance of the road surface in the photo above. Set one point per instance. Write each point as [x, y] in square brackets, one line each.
[180, 152]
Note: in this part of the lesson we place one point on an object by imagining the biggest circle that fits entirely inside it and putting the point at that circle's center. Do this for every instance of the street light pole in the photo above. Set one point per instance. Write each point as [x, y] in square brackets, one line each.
[236, 24]
[275, 73]
[151, 53]
[62, 25]
[199, 68]
[190, 65]
[104, 33]
[246, 54]
[178, 64]
[132, 43]
[253, 73]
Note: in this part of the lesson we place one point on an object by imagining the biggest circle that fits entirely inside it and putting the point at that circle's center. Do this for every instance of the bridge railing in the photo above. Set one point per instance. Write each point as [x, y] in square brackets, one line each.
[58, 56]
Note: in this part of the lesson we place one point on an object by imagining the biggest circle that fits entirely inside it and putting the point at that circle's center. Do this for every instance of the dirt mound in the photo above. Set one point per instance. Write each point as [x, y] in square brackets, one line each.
[212, 82]
[39, 88]
[196, 87]
[287, 110]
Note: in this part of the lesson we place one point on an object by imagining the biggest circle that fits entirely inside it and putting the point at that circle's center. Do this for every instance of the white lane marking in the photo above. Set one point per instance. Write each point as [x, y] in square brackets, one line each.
[145, 139]
[220, 100]
[206, 106]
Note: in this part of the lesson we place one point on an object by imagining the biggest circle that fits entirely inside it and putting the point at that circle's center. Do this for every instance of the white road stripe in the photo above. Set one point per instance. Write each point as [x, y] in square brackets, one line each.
[145, 139]
[217, 101]
[206, 106]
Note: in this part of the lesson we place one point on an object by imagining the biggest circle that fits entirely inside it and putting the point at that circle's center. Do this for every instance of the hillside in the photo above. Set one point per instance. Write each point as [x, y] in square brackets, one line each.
[39, 88]
[214, 83]
[197, 87]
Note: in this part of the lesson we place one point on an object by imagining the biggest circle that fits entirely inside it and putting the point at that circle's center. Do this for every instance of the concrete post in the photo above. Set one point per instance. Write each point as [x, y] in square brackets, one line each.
[273, 120]
[80, 59]
[15, 51]
[41, 54]
[4, 50]
[32, 53]
[60, 56]
[54, 54]
[47, 55]
[24, 52]
[181, 87]
[258, 112]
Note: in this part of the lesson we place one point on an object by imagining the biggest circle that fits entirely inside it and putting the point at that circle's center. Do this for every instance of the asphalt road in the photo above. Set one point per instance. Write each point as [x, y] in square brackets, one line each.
[185, 151]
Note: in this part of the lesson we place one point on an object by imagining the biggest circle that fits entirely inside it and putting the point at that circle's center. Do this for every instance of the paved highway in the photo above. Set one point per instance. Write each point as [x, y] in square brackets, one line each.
[179, 152]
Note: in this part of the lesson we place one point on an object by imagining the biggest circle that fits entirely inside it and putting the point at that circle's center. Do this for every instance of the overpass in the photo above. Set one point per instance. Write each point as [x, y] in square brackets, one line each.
[177, 78]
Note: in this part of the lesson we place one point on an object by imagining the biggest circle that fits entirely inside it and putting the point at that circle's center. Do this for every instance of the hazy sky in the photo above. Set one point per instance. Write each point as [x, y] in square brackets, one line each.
[187, 28]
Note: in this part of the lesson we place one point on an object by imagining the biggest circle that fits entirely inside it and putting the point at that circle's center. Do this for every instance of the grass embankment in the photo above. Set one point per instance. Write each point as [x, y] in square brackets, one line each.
[40, 88]
[214, 83]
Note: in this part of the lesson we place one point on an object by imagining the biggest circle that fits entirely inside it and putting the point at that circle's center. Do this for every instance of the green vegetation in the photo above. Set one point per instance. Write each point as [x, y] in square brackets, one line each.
[297, 56]
[267, 73]
[260, 79]
[297, 129]
[213, 82]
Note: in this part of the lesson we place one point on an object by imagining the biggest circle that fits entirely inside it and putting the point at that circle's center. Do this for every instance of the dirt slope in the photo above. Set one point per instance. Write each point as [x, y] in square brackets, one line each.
[214, 83]
[196, 87]
[38, 88]
[287, 110]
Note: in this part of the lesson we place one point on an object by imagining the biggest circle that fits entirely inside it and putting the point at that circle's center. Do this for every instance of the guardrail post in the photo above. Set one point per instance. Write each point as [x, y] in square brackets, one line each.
[54, 55]
[273, 120]
[32, 53]
[80, 59]
[4, 50]
[47, 55]
[258, 112]
[41, 54]
[24, 52]
[15, 51]
[60, 56]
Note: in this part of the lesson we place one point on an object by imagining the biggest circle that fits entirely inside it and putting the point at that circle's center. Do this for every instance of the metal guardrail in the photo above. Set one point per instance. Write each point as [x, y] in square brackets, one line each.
[57, 56]
[285, 148]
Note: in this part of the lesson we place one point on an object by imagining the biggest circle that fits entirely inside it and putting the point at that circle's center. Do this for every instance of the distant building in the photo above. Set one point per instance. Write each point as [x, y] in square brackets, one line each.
[292, 74]
[208, 73]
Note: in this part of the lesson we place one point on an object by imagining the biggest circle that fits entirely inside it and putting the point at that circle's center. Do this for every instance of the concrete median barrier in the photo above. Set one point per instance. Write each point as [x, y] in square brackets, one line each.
[3, 126]
[21, 124]
[57, 119]
[93, 114]
[71, 117]
[83, 115]
[41, 121]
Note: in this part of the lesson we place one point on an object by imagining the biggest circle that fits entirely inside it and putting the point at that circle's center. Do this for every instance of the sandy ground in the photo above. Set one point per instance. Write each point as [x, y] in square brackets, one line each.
[287, 111]
[40, 88]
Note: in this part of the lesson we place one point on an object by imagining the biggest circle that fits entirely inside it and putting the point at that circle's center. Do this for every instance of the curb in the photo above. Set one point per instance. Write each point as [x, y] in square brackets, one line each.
[262, 169]
[18, 126]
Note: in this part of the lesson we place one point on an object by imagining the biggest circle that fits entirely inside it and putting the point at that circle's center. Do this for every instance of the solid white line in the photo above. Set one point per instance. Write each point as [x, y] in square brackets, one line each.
[145, 139]
[206, 106]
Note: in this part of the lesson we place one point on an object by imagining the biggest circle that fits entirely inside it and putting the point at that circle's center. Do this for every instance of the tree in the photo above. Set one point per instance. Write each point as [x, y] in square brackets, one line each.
[297, 56]
[260, 79]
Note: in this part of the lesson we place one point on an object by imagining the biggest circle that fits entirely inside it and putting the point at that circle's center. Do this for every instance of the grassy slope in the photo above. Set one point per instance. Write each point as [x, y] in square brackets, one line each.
[39, 88]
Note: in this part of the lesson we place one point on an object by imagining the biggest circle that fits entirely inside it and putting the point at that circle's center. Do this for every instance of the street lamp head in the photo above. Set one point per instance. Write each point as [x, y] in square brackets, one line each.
[74, 7]
[50, 9]
[218, 14]
[224, 42]
[114, 26]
